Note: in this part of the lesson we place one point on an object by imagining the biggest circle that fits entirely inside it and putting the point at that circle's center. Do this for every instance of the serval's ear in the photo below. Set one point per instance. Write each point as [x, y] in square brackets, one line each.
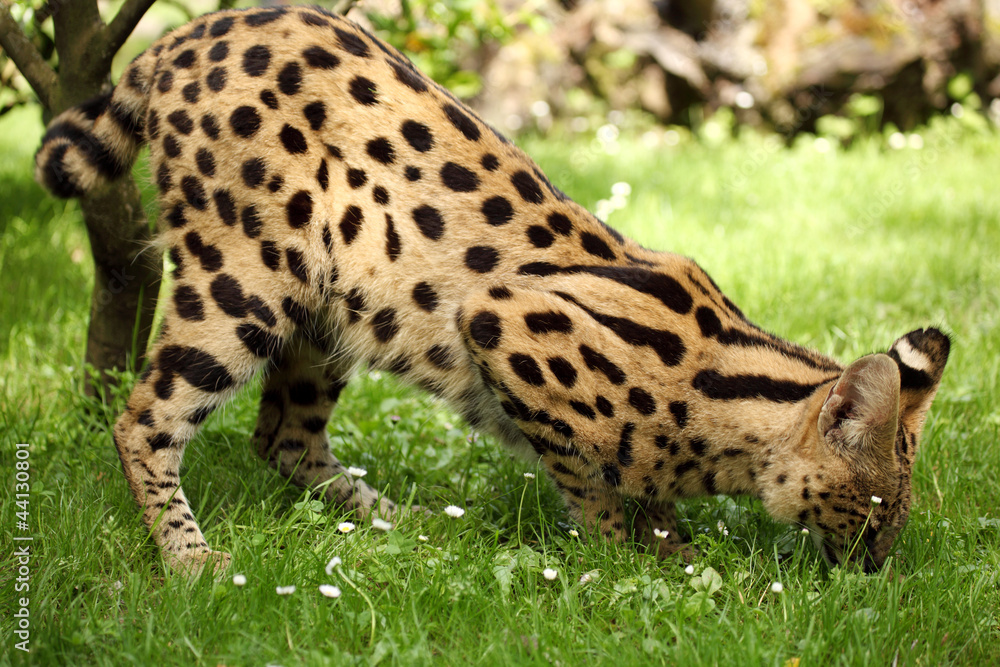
[921, 356]
[860, 415]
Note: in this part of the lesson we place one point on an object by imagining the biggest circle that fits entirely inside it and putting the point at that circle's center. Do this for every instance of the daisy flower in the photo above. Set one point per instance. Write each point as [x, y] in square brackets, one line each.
[549, 573]
[777, 587]
[381, 524]
[285, 590]
[529, 475]
[239, 580]
[453, 511]
[345, 526]
[334, 562]
[356, 472]
[329, 591]
[689, 569]
[876, 500]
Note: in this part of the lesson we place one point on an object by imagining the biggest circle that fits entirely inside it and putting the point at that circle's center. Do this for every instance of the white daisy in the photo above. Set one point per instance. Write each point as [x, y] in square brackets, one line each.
[876, 500]
[329, 591]
[574, 532]
[422, 538]
[662, 534]
[239, 580]
[777, 587]
[356, 472]
[529, 475]
[689, 569]
[285, 590]
[549, 573]
[334, 562]
[381, 524]
[453, 511]
[345, 526]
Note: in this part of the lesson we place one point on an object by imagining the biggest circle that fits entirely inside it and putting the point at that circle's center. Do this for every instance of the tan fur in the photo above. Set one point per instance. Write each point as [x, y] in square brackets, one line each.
[453, 263]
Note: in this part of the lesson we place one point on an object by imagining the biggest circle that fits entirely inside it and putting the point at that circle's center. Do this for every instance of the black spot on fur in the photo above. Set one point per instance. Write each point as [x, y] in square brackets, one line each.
[481, 259]
[596, 246]
[526, 368]
[598, 362]
[181, 121]
[171, 147]
[625, 445]
[350, 224]
[228, 294]
[715, 385]
[385, 325]
[679, 410]
[290, 78]
[611, 474]
[199, 368]
[356, 178]
[205, 161]
[458, 178]
[210, 126]
[295, 311]
[583, 409]
[563, 370]
[441, 356]
[216, 79]
[462, 122]
[166, 81]
[352, 43]
[548, 322]
[176, 216]
[429, 222]
[207, 254]
[500, 293]
[698, 446]
[269, 255]
[527, 187]
[260, 18]
[408, 76]
[393, 246]
[299, 209]
[190, 92]
[540, 237]
[293, 140]
[194, 192]
[355, 300]
[604, 406]
[425, 296]
[641, 400]
[380, 195]
[320, 58]
[146, 418]
[364, 91]
[188, 304]
[497, 210]
[381, 150]
[418, 135]
[256, 60]
[221, 27]
[315, 114]
[485, 329]
[490, 162]
[323, 175]
[560, 224]
[297, 264]
[412, 173]
[185, 60]
[219, 51]
[245, 121]
[303, 393]
[253, 172]
[161, 441]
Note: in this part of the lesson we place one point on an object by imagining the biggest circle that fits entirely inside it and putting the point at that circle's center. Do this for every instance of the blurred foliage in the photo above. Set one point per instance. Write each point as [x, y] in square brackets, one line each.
[447, 40]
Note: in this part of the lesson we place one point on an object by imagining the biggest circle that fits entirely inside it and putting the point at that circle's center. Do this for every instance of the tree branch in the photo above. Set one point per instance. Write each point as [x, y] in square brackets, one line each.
[29, 61]
[124, 23]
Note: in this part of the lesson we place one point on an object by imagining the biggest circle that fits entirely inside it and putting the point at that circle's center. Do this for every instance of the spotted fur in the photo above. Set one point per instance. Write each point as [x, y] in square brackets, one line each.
[326, 206]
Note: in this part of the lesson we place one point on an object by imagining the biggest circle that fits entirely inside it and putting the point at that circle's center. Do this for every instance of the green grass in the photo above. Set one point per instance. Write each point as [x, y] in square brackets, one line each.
[843, 251]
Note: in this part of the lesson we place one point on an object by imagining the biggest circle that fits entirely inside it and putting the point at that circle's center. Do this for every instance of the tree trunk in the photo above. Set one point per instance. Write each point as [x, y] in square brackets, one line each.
[126, 271]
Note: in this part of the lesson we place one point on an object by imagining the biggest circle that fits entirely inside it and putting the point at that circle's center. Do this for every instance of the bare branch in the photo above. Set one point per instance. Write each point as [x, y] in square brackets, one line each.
[29, 61]
[124, 23]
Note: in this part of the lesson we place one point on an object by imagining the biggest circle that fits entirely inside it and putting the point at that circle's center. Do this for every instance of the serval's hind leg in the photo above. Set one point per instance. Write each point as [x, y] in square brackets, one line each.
[300, 393]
